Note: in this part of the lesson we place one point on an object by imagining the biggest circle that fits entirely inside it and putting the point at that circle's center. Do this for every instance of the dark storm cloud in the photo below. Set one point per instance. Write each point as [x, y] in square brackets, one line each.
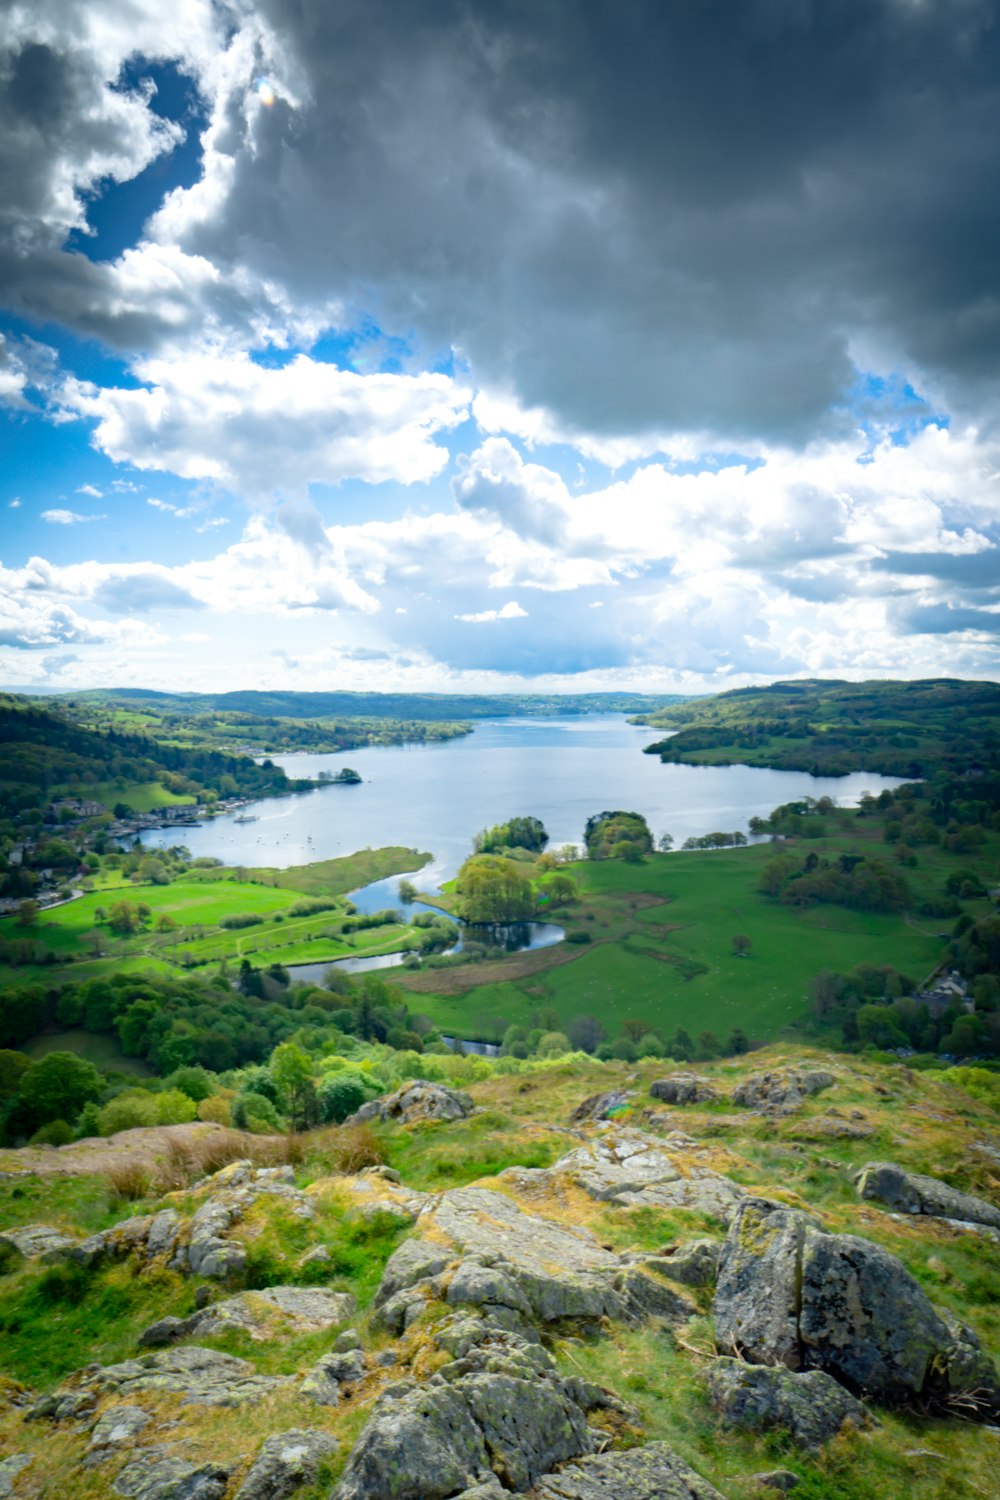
[640, 214]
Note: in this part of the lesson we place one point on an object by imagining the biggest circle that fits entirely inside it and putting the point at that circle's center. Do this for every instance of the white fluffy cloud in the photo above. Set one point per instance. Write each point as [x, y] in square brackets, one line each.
[259, 431]
[509, 611]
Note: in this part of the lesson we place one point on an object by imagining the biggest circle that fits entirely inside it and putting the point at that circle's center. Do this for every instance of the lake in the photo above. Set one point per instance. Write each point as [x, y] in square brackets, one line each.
[436, 797]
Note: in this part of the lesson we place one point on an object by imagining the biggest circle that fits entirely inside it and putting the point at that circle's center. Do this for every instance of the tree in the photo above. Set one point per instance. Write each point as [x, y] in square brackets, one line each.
[58, 1086]
[585, 1033]
[339, 1096]
[516, 833]
[617, 835]
[494, 890]
[738, 1041]
[27, 913]
[665, 843]
[741, 945]
[291, 1069]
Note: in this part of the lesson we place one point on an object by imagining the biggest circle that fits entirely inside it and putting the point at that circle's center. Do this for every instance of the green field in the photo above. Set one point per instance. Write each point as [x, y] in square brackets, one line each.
[100, 1049]
[144, 796]
[661, 951]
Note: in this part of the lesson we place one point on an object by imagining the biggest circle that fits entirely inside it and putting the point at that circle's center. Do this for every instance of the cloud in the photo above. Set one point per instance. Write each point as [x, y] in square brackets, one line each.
[90, 489]
[509, 611]
[15, 504]
[68, 517]
[140, 593]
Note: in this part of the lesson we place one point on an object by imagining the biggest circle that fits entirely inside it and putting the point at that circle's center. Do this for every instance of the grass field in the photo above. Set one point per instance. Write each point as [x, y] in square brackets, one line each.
[335, 877]
[145, 796]
[661, 951]
[101, 1050]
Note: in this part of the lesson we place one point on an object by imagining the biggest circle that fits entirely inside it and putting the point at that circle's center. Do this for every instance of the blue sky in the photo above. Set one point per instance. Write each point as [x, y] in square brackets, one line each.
[401, 354]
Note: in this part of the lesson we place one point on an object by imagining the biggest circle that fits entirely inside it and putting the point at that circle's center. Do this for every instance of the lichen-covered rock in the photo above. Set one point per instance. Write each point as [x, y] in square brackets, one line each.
[291, 1309]
[649, 1473]
[117, 1425]
[415, 1260]
[445, 1436]
[635, 1170]
[10, 1468]
[481, 1285]
[157, 1474]
[781, 1480]
[695, 1262]
[325, 1383]
[39, 1242]
[810, 1405]
[912, 1193]
[646, 1295]
[204, 1377]
[285, 1462]
[782, 1091]
[788, 1293]
[682, 1088]
[416, 1101]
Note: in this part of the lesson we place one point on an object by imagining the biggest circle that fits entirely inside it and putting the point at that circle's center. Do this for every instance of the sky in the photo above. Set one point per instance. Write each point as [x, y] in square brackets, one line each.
[553, 345]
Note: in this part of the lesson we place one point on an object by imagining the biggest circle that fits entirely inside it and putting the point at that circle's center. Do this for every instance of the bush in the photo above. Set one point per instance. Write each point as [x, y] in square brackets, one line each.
[578, 936]
[241, 919]
[128, 1112]
[56, 1133]
[217, 1110]
[197, 1083]
[340, 1095]
[257, 1107]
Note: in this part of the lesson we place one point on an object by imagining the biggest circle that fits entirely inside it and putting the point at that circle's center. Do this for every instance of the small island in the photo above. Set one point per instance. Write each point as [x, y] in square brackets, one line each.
[346, 777]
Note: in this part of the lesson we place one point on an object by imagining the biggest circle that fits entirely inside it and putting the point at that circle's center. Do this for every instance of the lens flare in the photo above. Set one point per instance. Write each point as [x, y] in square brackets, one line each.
[265, 92]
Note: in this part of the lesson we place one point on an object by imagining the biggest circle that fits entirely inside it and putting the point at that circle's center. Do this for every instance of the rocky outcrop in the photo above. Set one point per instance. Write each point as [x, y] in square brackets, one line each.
[649, 1473]
[203, 1377]
[780, 1092]
[158, 1474]
[683, 1088]
[635, 1170]
[115, 1427]
[499, 1411]
[911, 1193]
[10, 1468]
[38, 1242]
[790, 1294]
[285, 1310]
[415, 1102]
[811, 1406]
[285, 1462]
[695, 1262]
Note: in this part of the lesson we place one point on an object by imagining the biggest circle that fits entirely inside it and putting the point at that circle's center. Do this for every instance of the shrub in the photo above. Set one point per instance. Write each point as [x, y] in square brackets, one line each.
[241, 919]
[578, 936]
[353, 1148]
[128, 1111]
[56, 1133]
[197, 1083]
[217, 1110]
[340, 1095]
[128, 1180]
[257, 1107]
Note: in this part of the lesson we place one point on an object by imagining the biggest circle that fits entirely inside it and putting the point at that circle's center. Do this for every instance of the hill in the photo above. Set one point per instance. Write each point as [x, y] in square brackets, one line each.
[569, 1280]
[932, 727]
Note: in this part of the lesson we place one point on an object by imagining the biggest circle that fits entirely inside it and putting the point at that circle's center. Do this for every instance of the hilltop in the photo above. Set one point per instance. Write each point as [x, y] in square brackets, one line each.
[564, 1279]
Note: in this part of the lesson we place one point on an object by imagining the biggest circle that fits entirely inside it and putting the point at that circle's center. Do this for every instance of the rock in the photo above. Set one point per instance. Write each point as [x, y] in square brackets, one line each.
[788, 1293]
[606, 1106]
[780, 1092]
[633, 1170]
[414, 1102]
[912, 1193]
[442, 1437]
[811, 1406]
[646, 1295]
[782, 1480]
[204, 1377]
[39, 1242]
[694, 1262]
[294, 1309]
[318, 1255]
[649, 1473]
[415, 1260]
[682, 1088]
[480, 1285]
[286, 1461]
[156, 1474]
[117, 1425]
[10, 1468]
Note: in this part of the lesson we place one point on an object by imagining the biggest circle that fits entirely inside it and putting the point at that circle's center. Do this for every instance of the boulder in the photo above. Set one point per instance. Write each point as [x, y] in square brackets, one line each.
[811, 1406]
[653, 1472]
[158, 1474]
[437, 1439]
[39, 1242]
[781, 1480]
[416, 1102]
[285, 1462]
[285, 1309]
[790, 1294]
[683, 1088]
[635, 1170]
[780, 1092]
[911, 1193]
[203, 1377]
[694, 1262]
[331, 1372]
[115, 1426]
[605, 1106]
